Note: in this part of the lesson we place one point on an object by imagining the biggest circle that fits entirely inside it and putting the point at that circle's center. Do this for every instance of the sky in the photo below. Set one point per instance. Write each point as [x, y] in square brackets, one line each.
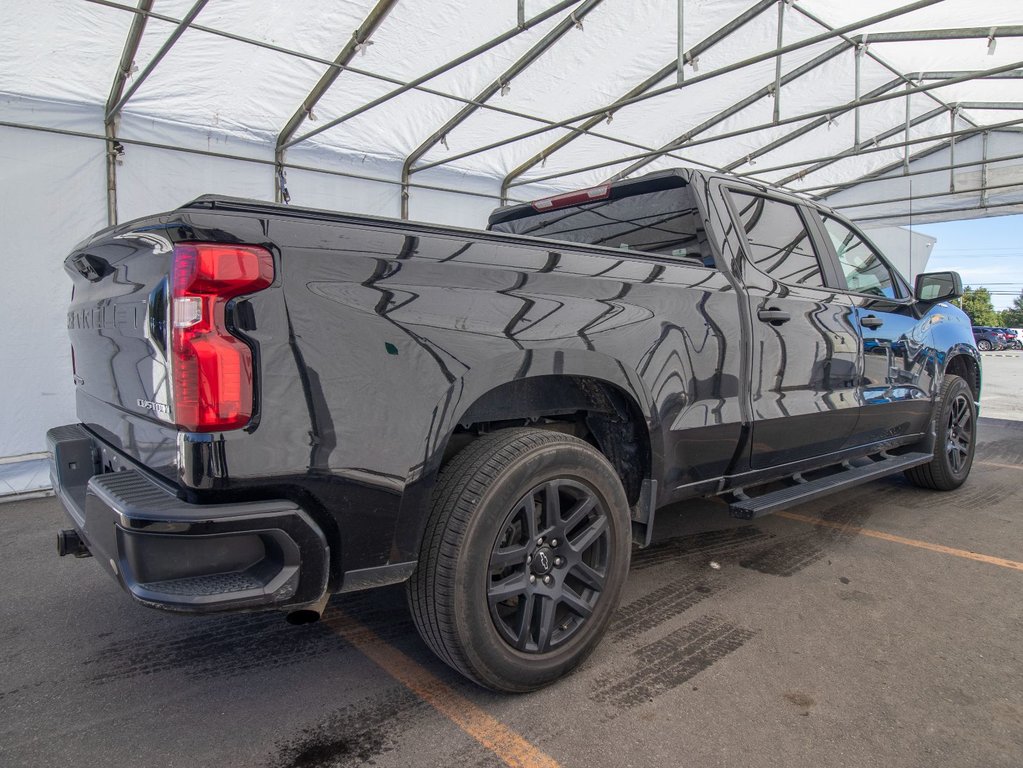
[987, 253]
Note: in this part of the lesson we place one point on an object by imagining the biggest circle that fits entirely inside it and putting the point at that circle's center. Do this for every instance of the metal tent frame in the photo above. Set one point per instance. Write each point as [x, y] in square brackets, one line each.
[563, 18]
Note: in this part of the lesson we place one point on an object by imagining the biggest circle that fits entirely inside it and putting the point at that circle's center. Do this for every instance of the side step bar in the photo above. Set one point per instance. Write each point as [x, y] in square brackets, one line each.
[747, 507]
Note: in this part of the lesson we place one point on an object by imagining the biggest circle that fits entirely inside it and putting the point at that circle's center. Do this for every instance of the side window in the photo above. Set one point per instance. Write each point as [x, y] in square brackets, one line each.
[777, 240]
[864, 271]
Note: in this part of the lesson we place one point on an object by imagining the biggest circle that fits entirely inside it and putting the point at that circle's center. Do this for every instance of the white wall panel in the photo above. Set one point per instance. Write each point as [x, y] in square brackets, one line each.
[50, 199]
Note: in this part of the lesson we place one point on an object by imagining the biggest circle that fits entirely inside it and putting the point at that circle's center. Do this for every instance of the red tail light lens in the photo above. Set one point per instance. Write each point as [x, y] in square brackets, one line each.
[212, 376]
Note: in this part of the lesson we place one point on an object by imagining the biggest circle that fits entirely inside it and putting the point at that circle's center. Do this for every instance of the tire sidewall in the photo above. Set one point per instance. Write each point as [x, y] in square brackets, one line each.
[485, 649]
[956, 387]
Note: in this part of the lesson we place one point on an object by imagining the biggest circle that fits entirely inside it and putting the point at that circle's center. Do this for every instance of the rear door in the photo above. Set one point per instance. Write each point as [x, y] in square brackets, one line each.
[898, 379]
[805, 360]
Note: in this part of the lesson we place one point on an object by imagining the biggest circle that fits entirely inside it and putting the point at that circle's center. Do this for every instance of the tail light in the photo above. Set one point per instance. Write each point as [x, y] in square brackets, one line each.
[211, 369]
[573, 198]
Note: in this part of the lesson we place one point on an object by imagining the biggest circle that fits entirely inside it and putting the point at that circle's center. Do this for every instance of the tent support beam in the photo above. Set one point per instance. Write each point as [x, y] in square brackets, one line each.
[692, 55]
[965, 209]
[857, 63]
[863, 150]
[951, 151]
[909, 113]
[124, 70]
[856, 149]
[500, 85]
[680, 58]
[804, 43]
[881, 137]
[930, 195]
[784, 121]
[863, 42]
[983, 170]
[812, 126]
[523, 26]
[871, 177]
[777, 61]
[408, 85]
[354, 45]
[880, 173]
[179, 30]
[739, 106]
[241, 158]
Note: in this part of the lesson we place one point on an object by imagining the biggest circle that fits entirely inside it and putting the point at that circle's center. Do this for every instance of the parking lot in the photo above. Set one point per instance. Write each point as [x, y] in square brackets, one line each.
[879, 627]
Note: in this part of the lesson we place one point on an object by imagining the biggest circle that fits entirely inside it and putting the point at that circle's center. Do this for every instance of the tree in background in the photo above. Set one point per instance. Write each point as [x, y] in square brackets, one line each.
[1013, 316]
[977, 304]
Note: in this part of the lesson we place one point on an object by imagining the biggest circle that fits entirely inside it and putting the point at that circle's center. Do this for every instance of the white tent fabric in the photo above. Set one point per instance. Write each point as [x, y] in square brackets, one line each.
[535, 109]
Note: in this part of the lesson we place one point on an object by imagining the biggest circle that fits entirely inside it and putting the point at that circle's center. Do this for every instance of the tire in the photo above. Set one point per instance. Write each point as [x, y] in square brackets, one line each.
[984, 345]
[955, 425]
[493, 502]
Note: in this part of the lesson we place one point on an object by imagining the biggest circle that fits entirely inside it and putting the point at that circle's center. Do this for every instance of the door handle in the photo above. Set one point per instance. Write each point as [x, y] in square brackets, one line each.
[870, 321]
[773, 316]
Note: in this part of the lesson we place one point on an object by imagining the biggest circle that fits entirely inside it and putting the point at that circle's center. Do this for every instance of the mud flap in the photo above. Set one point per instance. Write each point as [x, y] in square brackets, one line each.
[643, 514]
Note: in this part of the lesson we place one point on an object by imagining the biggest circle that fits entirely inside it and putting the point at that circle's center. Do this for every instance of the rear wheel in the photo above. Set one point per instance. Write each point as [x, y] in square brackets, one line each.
[984, 345]
[523, 559]
[955, 427]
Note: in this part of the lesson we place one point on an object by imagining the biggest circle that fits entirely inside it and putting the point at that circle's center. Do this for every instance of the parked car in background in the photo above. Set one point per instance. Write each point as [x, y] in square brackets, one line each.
[988, 338]
[1013, 339]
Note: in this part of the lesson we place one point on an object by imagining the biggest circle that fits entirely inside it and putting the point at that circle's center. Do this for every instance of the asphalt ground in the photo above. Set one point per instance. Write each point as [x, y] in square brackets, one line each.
[879, 627]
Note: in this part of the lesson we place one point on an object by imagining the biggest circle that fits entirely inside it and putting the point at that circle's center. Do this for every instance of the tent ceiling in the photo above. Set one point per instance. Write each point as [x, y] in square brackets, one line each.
[528, 93]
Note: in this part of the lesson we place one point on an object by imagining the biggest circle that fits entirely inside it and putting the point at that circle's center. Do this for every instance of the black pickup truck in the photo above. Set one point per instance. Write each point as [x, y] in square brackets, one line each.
[277, 404]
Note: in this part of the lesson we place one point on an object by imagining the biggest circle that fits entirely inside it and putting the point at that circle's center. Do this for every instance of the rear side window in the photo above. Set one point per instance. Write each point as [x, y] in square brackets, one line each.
[863, 269]
[665, 222]
[777, 240]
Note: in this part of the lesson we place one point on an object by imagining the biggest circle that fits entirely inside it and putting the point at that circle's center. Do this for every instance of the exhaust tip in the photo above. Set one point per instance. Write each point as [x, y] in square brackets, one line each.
[70, 543]
[304, 616]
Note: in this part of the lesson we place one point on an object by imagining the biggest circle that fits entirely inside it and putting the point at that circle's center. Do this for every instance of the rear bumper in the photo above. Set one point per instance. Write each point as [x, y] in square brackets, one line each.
[170, 554]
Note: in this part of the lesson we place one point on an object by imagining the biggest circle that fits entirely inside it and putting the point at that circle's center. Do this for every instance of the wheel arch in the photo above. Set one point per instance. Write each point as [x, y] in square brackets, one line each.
[964, 361]
[531, 388]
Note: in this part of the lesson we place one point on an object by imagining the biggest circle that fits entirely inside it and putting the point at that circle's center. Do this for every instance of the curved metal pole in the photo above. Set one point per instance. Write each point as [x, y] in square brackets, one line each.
[792, 119]
[353, 46]
[759, 94]
[499, 85]
[179, 30]
[523, 26]
[804, 43]
[124, 70]
[692, 55]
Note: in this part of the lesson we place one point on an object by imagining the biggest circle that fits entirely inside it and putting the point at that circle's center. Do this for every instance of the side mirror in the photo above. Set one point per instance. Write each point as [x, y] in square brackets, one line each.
[933, 287]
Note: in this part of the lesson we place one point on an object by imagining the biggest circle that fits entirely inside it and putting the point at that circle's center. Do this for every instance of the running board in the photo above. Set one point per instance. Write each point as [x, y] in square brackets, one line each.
[749, 507]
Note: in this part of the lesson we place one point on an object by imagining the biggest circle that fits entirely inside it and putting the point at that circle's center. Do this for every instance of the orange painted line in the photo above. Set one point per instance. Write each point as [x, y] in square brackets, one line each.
[996, 464]
[511, 748]
[964, 553]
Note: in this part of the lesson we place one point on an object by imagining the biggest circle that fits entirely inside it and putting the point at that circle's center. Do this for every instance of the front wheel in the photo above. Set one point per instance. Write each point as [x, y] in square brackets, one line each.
[984, 345]
[955, 429]
[523, 560]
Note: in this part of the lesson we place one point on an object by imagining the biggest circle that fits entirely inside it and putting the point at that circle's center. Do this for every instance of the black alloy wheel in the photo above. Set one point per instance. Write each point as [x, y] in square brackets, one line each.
[959, 433]
[523, 559]
[955, 438]
[548, 565]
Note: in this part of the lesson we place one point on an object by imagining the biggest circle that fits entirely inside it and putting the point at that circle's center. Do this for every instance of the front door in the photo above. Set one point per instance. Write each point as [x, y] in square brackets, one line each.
[898, 375]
